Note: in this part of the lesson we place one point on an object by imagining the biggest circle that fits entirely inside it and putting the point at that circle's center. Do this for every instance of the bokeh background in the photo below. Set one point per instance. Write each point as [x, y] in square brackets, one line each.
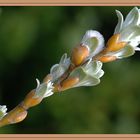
[32, 39]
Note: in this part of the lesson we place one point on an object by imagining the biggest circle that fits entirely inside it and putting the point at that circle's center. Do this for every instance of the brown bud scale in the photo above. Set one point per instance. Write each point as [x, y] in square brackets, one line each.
[69, 83]
[105, 59]
[30, 100]
[79, 54]
[113, 43]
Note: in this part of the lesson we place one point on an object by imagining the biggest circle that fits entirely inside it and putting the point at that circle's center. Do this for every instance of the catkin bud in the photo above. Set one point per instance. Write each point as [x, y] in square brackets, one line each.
[30, 100]
[18, 114]
[66, 84]
[69, 83]
[113, 43]
[79, 54]
[105, 59]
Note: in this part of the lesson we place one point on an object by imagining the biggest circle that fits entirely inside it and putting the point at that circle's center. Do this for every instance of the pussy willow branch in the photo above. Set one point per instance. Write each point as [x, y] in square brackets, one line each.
[123, 43]
[19, 113]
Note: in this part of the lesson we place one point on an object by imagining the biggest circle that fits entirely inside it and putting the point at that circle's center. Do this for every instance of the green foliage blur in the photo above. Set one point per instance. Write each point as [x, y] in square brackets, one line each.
[32, 39]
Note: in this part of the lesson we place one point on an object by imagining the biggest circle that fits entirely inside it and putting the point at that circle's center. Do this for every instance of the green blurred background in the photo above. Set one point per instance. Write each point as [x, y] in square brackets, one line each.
[32, 39]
